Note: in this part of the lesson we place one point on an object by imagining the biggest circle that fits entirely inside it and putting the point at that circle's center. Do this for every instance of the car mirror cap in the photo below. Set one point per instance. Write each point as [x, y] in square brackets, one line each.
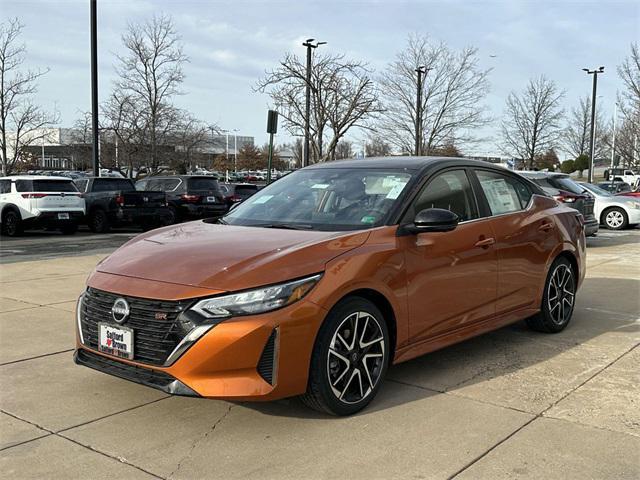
[430, 220]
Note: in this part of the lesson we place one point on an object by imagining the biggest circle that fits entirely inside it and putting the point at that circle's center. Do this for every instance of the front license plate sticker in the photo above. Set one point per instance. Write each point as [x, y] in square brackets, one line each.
[63, 216]
[116, 341]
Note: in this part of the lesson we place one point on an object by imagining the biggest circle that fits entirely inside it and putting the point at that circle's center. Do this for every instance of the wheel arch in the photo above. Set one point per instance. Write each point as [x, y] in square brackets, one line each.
[572, 260]
[384, 305]
[608, 208]
[8, 208]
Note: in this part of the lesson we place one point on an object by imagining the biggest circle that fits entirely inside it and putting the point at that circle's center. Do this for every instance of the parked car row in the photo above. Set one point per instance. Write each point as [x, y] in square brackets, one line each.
[34, 201]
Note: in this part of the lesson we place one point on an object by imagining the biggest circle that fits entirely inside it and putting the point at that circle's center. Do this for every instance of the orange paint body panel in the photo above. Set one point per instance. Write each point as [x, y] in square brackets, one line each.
[435, 288]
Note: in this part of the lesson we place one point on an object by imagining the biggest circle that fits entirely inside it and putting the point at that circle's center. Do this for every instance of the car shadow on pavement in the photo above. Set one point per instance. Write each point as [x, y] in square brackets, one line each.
[514, 362]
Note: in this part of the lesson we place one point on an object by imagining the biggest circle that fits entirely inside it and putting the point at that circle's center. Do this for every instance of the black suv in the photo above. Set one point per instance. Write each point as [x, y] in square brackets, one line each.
[564, 190]
[188, 196]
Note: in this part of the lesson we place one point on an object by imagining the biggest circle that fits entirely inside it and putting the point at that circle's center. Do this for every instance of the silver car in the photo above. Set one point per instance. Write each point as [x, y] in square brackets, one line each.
[615, 212]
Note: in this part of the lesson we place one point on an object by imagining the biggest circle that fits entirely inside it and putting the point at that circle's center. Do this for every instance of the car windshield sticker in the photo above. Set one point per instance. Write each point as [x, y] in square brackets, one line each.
[499, 196]
[263, 199]
[395, 191]
[368, 219]
[321, 185]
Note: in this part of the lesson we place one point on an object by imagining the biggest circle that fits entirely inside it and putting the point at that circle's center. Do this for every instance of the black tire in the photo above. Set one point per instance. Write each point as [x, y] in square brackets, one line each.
[172, 216]
[615, 218]
[11, 224]
[343, 386]
[69, 229]
[98, 221]
[558, 299]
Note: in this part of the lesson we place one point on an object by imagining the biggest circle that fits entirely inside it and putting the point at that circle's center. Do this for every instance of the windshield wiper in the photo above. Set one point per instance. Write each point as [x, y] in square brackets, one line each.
[284, 226]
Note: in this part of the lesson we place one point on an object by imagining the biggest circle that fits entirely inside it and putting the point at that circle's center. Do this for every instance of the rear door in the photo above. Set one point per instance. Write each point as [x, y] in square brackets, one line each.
[206, 188]
[51, 194]
[525, 237]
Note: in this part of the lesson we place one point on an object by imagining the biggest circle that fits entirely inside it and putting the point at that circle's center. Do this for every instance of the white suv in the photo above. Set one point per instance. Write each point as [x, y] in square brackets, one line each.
[31, 201]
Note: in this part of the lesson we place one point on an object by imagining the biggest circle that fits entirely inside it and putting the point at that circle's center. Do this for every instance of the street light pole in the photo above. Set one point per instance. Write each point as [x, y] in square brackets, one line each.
[235, 149]
[94, 88]
[310, 45]
[593, 119]
[420, 71]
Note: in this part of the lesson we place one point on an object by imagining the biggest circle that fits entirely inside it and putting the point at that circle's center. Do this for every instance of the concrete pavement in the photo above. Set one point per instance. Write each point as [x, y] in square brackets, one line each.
[510, 404]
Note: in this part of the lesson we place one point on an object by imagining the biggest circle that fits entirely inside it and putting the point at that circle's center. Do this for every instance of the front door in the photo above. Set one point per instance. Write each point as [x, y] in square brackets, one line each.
[451, 276]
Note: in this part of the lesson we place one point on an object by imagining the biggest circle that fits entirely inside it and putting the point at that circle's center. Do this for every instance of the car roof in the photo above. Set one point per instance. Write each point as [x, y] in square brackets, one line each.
[34, 177]
[538, 174]
[103, 178]
[405, 162]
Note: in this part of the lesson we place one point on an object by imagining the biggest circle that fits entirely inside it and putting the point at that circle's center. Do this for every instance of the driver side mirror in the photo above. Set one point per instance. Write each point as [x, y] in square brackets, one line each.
[431, 220]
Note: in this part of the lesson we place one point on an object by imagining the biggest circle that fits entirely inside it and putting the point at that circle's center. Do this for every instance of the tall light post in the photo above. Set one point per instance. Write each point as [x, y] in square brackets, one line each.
[421, 70]
[613, 139]
[595, 73]
[311, 43]
[94, 88]
[235, 149]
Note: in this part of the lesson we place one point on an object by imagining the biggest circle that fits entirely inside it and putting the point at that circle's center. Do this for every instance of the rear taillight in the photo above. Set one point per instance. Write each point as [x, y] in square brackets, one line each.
[34, 195]
[120, 200]
[236, 198]
[565, 197]
[190, 198]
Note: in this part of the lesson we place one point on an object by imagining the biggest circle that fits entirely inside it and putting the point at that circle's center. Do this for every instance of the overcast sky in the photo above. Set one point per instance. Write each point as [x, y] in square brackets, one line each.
[230, 44]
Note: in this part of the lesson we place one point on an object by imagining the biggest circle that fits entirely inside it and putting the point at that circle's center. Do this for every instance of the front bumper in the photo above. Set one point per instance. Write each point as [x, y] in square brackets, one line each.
[258, 357]
[634, 215]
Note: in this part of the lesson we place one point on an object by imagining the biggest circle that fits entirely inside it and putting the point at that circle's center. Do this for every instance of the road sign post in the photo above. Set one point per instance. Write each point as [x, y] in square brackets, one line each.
[272, 128]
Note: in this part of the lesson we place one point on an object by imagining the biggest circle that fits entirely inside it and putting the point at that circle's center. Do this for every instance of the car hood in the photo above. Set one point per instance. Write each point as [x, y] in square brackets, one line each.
[226, 257]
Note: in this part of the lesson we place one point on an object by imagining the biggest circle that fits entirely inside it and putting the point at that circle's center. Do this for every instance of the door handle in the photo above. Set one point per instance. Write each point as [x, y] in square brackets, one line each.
[486, 242]
[545, 227]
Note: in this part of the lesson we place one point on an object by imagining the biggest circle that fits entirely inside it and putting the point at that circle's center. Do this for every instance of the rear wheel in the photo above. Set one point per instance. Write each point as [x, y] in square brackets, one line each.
[349, 359]
[558, 299]
[98, 221]
[11, 224]
[615, 218]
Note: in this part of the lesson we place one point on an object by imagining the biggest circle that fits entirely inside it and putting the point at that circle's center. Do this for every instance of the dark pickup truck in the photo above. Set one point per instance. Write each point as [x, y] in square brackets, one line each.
[115, 202]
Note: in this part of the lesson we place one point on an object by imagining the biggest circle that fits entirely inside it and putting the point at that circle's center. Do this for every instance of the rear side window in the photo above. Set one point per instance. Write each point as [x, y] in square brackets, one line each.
[5, 186]
[108, 185]
[202, 184]
[45, 186]
[82, 185]
[169, 184]
[504, 193]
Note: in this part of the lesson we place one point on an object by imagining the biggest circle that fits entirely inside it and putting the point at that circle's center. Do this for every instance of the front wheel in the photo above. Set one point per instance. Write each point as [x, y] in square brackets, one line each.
[558, 299]
[349, 359]
[615, 218]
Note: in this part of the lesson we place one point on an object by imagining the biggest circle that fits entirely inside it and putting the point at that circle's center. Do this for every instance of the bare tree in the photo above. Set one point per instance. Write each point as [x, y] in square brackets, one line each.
[344, 149]
[22, 122]
[343, 96]
[190, 135]
[150, 75]
[376, 146]
[577, 135]
[453, 91]
[628, 136]
[531, 122]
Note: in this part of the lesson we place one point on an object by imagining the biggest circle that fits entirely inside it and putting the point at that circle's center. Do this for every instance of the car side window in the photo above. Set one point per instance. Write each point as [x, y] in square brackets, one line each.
[504, 193]
[170, 184]
[5, 186]
[82, 185]
[450, 190]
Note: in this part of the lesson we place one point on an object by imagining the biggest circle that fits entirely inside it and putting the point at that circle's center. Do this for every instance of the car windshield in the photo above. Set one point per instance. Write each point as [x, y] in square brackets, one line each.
[597, 190]
[331, 199]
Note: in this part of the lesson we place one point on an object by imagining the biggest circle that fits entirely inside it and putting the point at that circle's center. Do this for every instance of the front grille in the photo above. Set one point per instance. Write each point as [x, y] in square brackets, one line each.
[156, 331]
[588, 206]
[267, 364]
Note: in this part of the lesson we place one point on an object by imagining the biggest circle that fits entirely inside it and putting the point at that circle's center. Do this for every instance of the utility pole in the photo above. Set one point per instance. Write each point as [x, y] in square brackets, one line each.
[235, 149]
[613, 140]
[307, 117]
[94, 88]
[422, 70]
[595, 73]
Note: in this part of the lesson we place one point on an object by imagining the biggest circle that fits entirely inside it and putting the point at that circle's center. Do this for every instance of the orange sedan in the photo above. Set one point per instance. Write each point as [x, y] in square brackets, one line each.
[320, 281]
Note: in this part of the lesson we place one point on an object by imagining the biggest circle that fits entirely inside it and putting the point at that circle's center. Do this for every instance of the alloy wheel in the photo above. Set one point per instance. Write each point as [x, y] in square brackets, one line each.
[356, 357]
[614, 219]
[561, 294]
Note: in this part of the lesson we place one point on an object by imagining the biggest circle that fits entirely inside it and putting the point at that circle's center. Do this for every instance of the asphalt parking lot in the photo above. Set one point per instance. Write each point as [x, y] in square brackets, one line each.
[510, 404]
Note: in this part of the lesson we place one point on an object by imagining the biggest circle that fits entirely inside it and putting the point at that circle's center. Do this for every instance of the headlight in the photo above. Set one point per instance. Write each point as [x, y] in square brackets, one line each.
[260, 300]
[635, 205]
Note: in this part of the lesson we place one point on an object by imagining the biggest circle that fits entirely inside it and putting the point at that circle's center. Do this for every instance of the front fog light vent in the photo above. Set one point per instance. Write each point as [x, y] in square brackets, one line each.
[268, 364]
